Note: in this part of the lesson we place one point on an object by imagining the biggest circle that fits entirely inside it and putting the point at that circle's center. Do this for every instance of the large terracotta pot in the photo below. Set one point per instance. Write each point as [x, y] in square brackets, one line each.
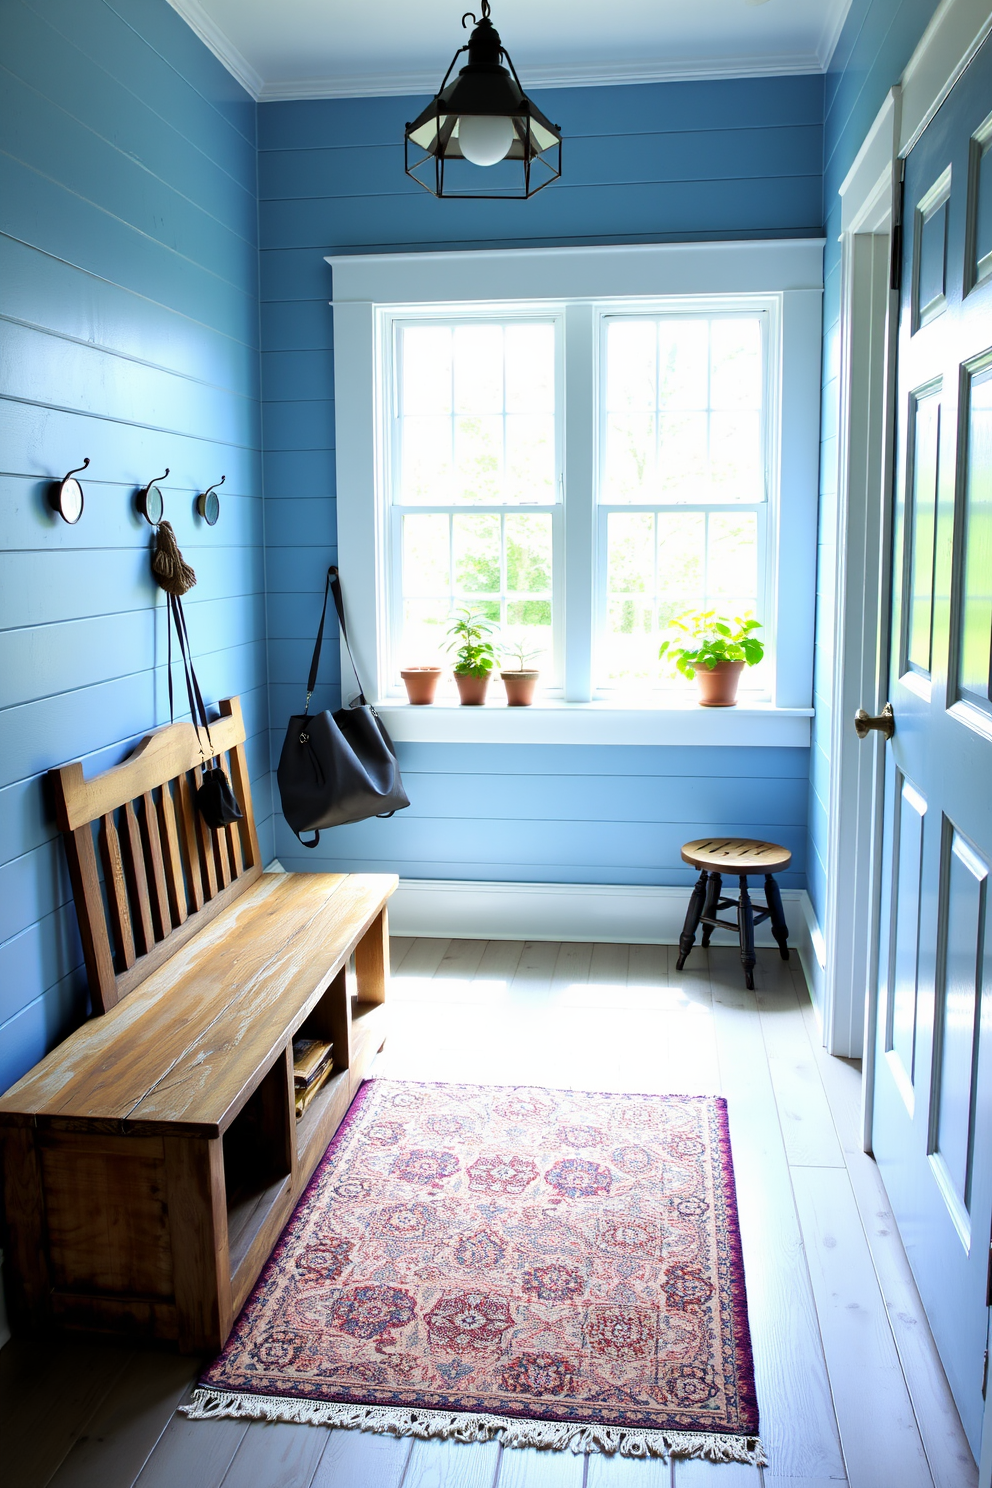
[472, 690]
[718, 687]
[421, 683]
[519, 688]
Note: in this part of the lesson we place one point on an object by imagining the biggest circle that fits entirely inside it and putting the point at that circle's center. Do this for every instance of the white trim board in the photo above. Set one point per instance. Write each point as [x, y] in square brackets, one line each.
[623, 914]
[598, 723]
[633, 271]
[574, 75]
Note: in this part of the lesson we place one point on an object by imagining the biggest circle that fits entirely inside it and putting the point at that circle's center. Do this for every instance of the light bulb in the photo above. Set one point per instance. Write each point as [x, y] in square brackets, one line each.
[485, 138]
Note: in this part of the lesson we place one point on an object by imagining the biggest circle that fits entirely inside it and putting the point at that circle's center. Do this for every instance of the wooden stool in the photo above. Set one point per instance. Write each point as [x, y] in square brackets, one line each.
[716, 856]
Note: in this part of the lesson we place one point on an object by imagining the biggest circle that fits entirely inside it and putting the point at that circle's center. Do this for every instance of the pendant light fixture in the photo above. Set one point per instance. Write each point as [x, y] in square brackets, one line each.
[483, 119]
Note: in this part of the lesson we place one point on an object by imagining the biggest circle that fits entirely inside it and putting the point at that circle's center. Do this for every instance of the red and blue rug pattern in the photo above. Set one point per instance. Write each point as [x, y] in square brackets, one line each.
[558, 1268]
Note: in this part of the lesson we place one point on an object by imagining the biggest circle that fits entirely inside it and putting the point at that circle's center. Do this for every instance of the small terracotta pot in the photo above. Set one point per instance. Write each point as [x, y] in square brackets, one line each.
[718, 686]
[519, 688]
[472, 690]
[421, 683]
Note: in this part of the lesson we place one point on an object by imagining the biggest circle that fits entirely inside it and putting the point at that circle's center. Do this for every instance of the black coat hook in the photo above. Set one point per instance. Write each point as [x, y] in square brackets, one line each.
[151, 504]
[67, 497]
[208, 505]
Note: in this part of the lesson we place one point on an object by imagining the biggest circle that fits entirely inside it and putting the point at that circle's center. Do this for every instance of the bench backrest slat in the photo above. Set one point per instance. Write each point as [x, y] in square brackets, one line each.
[164, 871]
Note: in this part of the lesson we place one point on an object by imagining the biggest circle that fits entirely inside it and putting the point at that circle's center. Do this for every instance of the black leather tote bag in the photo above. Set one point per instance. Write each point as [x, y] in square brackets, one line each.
[337, 767]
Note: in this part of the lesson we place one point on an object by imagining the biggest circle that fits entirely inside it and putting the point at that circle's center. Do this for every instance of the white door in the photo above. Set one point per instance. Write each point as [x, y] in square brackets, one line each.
[932, 1116]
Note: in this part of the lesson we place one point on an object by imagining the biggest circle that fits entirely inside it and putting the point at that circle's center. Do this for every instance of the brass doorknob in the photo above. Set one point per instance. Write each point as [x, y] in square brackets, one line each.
[885, 722]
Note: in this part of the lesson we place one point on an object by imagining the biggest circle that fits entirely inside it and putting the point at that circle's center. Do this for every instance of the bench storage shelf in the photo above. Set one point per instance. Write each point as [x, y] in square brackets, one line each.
[152, 1159]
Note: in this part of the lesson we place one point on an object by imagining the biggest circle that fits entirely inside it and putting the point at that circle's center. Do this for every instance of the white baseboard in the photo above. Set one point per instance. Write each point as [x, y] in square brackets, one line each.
[622, 913]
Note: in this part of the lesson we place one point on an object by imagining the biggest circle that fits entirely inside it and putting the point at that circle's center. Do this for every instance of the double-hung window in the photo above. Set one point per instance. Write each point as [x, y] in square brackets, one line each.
[538, 438]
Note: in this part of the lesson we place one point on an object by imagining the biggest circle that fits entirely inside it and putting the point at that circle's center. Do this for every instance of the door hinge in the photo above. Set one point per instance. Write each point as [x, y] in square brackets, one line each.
[895, 263]
[985, 1374]
[988, 1280]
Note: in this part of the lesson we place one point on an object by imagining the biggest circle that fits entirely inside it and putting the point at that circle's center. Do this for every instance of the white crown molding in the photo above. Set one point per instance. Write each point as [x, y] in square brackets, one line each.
[832, 27]
[591, 75]
[213, 37]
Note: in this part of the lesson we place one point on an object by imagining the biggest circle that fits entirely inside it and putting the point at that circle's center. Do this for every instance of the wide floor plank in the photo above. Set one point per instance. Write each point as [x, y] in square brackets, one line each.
[357, 1459]
[193, 1454]
[448, 1464]
[123, 1431]
[48, 1395]
[274, 1454]
[526, 1467]
[878, 1427]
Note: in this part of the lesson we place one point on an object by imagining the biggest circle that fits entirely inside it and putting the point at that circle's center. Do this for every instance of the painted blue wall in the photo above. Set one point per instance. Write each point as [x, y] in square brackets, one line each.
[129, 297]
[680, 161]
[878, 39]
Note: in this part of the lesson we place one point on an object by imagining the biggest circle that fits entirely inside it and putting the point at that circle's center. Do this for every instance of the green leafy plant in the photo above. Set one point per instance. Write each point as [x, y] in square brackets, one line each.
[706, 638]
[522, 658]
[474, 653]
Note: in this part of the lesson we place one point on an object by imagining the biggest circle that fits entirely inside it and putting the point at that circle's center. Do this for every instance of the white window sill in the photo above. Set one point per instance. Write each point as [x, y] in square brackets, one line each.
[676, 722]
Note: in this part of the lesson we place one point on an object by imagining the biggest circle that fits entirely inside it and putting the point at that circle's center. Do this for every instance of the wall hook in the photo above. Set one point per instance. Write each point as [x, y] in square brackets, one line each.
[208, 505]
[151, 504]
[67, 498]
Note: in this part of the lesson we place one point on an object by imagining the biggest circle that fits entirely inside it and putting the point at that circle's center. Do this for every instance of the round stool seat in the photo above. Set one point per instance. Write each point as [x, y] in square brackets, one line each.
[736, 855]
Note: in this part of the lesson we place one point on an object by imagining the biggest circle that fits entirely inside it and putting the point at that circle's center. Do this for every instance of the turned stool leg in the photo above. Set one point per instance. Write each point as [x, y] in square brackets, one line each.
[713, 892]
[745, 923]
[692, 916]
[780, 929]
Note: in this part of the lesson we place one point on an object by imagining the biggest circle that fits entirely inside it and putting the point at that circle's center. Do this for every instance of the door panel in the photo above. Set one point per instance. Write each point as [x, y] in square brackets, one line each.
[921, 528]
[911, 810]
[932, 1104]
[975, 607]
[957, 1027]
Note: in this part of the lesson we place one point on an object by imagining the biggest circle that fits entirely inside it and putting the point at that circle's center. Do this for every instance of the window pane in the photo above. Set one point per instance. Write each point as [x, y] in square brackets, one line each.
[530, 458]
[478, 457]
[426, 367]
[683, 410]
[661, 565]
[425, 455]
[475, 415]
[475, 544]
[630, 445]
[528, 554]
[735, 364]
[683, 356]
[530, 368]
[425, 554]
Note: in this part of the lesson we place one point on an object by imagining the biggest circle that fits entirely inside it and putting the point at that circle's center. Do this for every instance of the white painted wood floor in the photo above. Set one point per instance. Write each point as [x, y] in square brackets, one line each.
[849, 1385]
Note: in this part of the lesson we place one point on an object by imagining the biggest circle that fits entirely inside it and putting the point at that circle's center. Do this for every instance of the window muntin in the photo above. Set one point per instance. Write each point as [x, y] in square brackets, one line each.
[682, 485]
[475, 484]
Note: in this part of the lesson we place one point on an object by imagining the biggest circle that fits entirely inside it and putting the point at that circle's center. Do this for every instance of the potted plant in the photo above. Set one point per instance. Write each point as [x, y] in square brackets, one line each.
[520, 680]
[715, 651]
[474, 655]
[421, 683]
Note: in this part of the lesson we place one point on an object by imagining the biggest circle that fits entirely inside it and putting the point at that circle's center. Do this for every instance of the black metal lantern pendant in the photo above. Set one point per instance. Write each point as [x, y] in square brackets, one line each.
[483, 118]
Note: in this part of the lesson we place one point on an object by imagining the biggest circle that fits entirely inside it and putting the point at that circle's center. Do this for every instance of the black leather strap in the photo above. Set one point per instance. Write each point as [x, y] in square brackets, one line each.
[332, 586]
[197, 711]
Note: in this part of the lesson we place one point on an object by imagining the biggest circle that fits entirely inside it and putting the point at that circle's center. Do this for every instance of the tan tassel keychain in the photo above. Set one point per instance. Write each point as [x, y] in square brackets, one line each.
[172, 572]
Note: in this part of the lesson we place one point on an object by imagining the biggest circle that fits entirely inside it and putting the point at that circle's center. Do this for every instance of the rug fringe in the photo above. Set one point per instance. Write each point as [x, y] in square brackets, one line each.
[556, 1436]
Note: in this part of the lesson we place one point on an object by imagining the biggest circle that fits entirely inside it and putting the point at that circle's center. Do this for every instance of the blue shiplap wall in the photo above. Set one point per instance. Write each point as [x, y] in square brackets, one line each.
[877, 41]
[129, 304]
[733, 159]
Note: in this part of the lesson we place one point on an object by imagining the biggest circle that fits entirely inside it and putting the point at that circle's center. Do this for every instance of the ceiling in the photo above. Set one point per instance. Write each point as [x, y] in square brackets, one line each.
[357, 48]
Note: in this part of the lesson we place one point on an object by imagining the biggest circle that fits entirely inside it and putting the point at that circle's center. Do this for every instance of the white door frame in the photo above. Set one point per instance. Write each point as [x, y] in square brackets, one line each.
[869, 209]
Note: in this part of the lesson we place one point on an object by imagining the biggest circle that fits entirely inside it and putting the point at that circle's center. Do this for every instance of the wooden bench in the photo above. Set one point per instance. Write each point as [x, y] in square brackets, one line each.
[152, 1159]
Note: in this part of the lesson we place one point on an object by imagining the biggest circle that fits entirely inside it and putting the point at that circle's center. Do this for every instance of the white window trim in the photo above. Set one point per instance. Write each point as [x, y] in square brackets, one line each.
[789, 270]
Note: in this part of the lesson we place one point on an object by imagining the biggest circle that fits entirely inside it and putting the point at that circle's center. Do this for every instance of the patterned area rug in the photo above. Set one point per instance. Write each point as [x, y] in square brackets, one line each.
[560, 1269]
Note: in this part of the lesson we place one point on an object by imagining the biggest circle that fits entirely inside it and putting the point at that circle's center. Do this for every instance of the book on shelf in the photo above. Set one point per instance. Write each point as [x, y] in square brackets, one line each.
[311, 1056]
[309, 1092]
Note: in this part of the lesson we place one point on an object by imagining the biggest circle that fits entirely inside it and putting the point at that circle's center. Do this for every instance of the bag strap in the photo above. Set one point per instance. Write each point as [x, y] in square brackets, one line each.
[197, 710]
[332, 587]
